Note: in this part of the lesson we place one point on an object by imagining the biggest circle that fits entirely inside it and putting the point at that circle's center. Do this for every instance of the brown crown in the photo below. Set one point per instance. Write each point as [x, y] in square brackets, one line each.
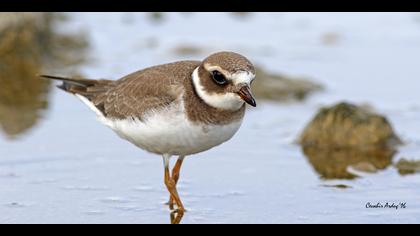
[230, 61]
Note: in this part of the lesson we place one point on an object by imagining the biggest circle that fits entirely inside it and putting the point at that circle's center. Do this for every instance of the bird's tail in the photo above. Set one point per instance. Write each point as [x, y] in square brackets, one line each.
[85, 87]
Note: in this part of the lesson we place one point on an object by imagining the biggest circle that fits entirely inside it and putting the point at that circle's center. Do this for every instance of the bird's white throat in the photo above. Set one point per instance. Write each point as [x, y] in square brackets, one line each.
[227, 101]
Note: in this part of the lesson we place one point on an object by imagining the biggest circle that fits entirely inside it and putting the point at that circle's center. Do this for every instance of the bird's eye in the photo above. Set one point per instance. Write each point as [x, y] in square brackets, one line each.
[219, 78]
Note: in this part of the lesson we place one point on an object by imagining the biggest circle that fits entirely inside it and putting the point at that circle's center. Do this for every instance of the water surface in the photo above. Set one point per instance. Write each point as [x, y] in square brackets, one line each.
[68, 168]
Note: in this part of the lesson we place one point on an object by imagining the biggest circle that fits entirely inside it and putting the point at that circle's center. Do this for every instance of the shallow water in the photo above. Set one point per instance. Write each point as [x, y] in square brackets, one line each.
[70, 169]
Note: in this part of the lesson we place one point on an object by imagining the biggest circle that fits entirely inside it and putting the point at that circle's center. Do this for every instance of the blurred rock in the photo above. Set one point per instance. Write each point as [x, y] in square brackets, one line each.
[29, 44]
[348, 126]
[346, 136]
[277, 87]
[241, 15]
[334, 163]
[156, 17]
[330, 38]
[407, 167]
[187, 50]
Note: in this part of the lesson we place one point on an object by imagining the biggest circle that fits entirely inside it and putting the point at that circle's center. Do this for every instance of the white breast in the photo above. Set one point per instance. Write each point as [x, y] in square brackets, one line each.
[168, 131]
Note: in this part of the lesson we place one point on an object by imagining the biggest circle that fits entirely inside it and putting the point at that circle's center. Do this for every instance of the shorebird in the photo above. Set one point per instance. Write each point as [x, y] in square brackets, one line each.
[175, 109]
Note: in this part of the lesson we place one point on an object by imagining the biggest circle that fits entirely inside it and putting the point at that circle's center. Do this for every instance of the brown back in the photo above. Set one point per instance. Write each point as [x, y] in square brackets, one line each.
[144, 90]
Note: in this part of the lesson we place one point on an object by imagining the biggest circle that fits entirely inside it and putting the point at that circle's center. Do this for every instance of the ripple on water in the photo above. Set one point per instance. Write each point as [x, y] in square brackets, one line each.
[115, 200]
[85, 188]
[9, 175]
[43, 181]
[94, 212]
[232, 193]
[145, 188]
[303, 218]
[338, 186]
[134, 208]
[16, 205]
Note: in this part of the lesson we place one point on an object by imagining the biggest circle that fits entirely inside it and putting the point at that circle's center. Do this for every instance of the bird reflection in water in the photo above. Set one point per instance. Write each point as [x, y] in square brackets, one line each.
[176, 217]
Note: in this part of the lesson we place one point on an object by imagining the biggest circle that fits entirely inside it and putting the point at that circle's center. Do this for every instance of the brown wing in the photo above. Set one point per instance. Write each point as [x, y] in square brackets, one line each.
[135, 94]
[145, 90]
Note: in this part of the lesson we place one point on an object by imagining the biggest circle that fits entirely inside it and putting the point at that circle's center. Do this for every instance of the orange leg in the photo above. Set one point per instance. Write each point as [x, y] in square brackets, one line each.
[170, 183]
[175, 177]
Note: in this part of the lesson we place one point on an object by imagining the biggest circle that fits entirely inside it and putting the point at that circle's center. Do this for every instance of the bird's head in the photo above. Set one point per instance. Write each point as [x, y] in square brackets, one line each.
[223, 81]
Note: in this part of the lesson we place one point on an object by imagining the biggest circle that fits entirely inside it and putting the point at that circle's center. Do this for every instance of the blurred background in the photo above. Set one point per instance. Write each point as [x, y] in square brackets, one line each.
[336, 125]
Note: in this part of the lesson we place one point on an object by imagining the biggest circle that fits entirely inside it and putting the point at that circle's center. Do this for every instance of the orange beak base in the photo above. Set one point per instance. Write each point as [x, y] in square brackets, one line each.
[246, 95]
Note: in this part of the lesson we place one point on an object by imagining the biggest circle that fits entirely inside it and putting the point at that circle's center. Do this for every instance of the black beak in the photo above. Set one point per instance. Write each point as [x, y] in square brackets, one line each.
[246, 95]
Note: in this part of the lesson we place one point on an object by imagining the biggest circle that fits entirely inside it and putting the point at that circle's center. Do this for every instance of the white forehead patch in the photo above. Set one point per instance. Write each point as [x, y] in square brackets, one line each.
[227, 101]
[242, 77]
